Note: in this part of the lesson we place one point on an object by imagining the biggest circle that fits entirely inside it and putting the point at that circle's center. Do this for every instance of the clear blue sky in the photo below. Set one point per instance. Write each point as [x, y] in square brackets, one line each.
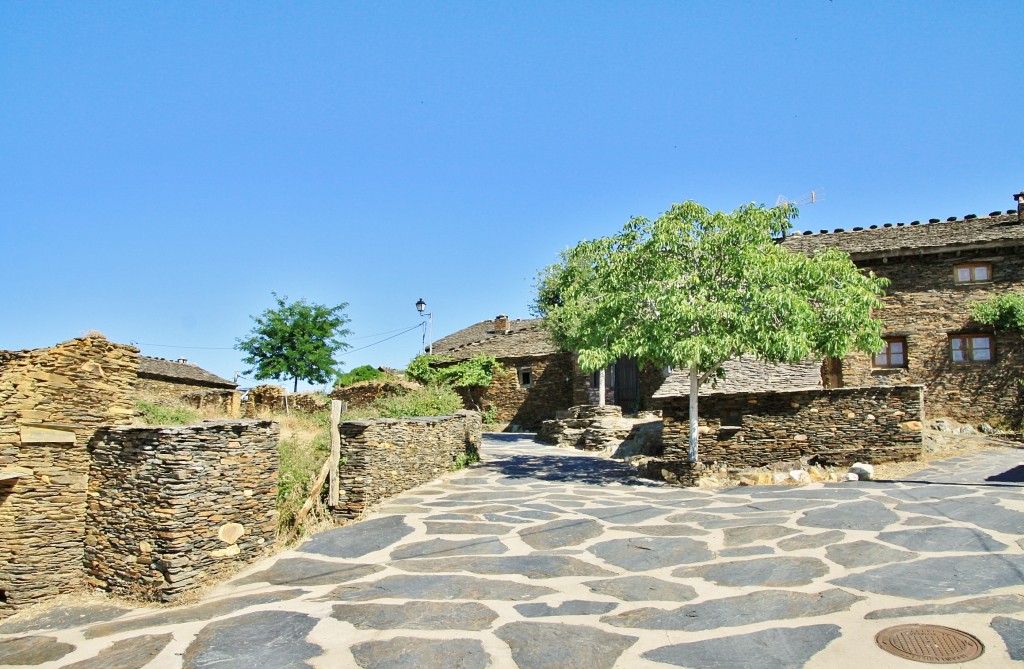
[165, 166]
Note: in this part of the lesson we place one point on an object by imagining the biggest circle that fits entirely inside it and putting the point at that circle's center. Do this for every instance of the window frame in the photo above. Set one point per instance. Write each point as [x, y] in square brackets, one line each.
[888, 354]
[528, 372]
[972, 268]
[967, 346]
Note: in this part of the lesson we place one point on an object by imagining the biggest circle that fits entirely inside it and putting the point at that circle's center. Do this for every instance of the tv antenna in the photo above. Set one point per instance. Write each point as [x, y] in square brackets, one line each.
[811, 198]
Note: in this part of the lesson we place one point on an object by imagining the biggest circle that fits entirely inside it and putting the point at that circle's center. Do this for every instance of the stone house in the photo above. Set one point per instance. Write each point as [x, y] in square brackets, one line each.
[181, 381]
[173, 379]
[938, 270]
[536, 379]
[539, 378]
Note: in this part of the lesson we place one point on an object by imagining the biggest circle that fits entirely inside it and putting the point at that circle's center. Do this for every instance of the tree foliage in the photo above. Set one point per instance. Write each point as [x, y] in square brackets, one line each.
[362, 373]
[468, 375]
[477, 372]
[296, 340]
[1004, 311]
[695, 288]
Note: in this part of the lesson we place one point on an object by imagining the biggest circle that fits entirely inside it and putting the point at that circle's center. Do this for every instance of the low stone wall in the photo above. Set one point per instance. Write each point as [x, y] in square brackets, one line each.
[382, 458]
[171, 507]
[215, 402]
[52, 400]
[267, 399]
[830, 427]
[364, 393]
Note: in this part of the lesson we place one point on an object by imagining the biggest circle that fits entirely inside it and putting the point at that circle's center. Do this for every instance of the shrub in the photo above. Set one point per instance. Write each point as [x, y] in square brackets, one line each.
[432, 400]
[157, 413]
[364, 373]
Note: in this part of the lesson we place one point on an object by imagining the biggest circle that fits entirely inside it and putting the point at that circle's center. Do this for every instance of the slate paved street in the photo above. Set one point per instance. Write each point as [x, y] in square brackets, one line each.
[541, 558]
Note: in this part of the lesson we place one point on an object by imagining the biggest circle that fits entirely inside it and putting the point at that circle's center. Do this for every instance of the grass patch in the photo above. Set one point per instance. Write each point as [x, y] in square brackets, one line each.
[432, 400]
[305, 444]
[465, 459]
[160, 413]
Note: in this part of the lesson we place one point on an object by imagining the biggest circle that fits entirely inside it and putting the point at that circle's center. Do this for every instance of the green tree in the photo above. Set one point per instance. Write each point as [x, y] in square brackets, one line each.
[363, 373]
[696, 288]
[296, 340]
[467, 375]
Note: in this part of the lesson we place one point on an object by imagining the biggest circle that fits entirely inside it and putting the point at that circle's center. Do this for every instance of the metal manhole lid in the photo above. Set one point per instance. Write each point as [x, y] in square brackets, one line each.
[933, 644]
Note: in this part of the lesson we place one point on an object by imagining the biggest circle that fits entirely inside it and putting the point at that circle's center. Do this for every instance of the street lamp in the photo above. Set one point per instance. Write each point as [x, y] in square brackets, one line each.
[421, 306]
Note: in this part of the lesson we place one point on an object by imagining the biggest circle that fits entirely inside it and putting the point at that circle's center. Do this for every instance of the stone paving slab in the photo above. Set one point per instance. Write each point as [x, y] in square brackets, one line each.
[539, 557]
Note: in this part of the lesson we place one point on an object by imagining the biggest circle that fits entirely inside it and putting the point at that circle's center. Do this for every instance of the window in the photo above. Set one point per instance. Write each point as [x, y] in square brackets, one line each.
[894, 354]
[525, 377]
[731, 417]
[971, 348]
[972, 272]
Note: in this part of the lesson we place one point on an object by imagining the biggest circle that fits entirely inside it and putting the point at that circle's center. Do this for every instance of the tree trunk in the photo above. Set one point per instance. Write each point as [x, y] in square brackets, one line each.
[295, 386]
[694, 434]
[601, 388]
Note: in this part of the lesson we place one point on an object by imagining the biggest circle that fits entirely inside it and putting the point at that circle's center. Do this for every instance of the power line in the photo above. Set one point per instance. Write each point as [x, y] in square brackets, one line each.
[353, 350]
[232, 348]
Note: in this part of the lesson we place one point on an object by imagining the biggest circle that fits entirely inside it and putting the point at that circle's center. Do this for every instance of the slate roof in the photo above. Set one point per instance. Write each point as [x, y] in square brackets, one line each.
[915, 237]
[748, 375]
[180, 372]
[525, 339]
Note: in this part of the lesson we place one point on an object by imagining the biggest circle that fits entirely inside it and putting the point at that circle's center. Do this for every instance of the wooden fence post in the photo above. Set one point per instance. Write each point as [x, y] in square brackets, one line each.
[332, 495]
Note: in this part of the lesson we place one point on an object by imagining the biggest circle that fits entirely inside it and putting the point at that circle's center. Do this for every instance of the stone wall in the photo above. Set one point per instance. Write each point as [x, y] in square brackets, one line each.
[926, 306]
[268, 399]
[526, 407]
[829, 427]
[215, 402]
[52, 401]
[172, 507]
[365, 393]
[382, 458]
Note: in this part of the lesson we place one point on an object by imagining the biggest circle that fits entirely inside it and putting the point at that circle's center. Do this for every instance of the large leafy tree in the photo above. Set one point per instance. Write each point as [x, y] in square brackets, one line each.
[695, 288]
[296, 340]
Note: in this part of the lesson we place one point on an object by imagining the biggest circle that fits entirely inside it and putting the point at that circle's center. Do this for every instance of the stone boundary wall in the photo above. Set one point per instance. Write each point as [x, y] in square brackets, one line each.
[382, 458]
[364, 393]
[215, 402]
[266, 399]
[172, 507]
[52, 401]
[830, 427]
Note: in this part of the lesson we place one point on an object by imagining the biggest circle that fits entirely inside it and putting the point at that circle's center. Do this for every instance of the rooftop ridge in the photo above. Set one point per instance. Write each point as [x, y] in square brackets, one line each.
[1010, 213]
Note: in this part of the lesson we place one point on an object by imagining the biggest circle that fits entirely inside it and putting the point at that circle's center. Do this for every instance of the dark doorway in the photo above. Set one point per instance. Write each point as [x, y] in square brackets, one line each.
[627, 383]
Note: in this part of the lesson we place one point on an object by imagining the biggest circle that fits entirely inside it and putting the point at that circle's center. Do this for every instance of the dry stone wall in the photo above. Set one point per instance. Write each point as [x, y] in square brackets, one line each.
[52, 401]
[215, 402]
[172, 507]
[365, 393]
[382, 458]
[266, 399]
[830, 427]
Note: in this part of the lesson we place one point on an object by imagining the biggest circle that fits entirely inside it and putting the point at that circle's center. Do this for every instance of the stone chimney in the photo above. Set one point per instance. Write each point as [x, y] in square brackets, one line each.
[501, 324]
[183, 361]
[1019, 197]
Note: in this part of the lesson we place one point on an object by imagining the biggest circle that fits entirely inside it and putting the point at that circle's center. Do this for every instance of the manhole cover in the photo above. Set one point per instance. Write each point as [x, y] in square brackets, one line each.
[929, 643]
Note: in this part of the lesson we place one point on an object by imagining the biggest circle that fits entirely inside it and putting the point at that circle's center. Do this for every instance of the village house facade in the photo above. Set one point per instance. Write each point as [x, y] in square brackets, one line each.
[539, 379]
[938, 271]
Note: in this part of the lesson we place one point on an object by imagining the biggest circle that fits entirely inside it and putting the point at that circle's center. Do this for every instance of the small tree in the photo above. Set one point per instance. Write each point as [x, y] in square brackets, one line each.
[694, 289]
[297, 340]
[468, 375]
[363, 373]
